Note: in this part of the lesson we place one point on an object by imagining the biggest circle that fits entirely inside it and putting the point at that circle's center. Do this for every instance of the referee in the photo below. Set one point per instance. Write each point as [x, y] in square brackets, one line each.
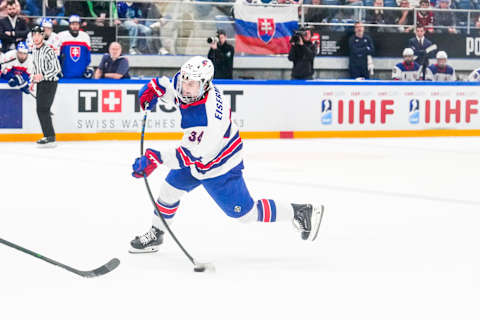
[46, 69]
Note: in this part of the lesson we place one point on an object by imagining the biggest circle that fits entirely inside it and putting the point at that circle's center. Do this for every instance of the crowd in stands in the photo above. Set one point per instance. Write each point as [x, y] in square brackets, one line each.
[73, 45]
[127, 15]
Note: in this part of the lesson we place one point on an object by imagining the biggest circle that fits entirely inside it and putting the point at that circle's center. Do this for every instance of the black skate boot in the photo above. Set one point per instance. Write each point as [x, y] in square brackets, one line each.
[148, 242]
[47, 142]
[307, 219]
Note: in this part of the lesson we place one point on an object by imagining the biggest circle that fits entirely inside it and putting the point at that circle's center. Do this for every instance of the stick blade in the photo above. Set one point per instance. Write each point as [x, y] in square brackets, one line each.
[106, 268]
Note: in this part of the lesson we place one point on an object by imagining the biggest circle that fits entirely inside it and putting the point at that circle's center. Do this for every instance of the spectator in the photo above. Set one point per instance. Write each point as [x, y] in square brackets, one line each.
[425, 17]
[3, 7]
[100, 10]
[302, 54]
[408, 70]
[157, 31]
[411, 3]
[132, 12]
[404, 17]
[50, 38]
[56, 9]
[316, 14]
[33, 8]
[440, 71]
[221, 54]
[113, 64]
[444, 18]
[355, 14]
[422, 48]
[361, 49]
[74, 50]
[76, 8]
[13, 29]
[380, 16]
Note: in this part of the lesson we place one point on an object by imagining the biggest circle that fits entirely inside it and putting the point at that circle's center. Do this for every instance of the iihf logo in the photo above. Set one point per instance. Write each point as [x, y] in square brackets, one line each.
[414, 111]
[326, 111]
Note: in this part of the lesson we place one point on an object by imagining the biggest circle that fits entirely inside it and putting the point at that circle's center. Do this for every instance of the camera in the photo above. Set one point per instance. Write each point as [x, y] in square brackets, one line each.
[297, 35]
[212, 39]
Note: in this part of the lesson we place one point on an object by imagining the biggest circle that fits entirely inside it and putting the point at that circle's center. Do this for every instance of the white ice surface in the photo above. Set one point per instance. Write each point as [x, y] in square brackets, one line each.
[400, 238]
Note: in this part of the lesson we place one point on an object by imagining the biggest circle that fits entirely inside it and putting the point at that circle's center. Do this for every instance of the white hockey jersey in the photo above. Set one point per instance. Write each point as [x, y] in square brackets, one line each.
[406, 71]
[53, 42]
[12, 67]
[435, 73]
[211, 143]
[475, 75]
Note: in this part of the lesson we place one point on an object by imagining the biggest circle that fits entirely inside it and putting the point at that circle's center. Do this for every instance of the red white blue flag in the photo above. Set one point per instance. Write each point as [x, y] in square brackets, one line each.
[264, 30]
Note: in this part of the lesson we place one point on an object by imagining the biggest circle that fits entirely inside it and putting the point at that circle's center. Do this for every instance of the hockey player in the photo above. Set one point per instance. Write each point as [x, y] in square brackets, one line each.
[209, 154]
[440, 71]
[75, 50]
[475, 75]
[17, 68]
[408, 70]
[51, 38]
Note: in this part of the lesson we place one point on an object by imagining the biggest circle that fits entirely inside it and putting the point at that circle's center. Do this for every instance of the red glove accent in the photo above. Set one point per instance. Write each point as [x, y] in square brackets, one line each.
[147, 97]
[147, 163]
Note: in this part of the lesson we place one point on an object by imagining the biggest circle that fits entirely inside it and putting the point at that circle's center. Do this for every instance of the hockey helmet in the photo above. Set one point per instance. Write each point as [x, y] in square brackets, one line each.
[22, 47]
[407, 52]
[442, 55]
[38, 29]
[46, 23]
[74, 18]
[199, 69]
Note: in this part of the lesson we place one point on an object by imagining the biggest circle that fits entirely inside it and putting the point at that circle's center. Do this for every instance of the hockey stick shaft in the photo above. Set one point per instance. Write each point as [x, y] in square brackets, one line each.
[144, 121]
[112, 264]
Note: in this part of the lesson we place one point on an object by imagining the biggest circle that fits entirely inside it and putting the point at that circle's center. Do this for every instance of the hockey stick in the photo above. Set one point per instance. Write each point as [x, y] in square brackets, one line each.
[106, 268]
[197, 266]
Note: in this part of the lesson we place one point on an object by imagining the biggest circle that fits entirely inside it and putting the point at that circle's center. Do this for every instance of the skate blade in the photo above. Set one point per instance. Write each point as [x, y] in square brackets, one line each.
[49, 145]
[317, 215]
[146, 250]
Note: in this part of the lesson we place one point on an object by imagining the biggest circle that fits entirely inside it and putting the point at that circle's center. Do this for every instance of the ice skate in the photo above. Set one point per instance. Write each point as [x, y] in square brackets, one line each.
[307, 219]
[148, 242]
[47, 142]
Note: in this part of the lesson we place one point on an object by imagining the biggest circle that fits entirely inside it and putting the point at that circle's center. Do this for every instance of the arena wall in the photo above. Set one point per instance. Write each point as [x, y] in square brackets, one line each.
[108, 110]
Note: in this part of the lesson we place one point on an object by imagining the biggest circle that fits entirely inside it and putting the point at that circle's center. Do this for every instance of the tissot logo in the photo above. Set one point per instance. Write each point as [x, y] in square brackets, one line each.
[118, 101]
[111, 100]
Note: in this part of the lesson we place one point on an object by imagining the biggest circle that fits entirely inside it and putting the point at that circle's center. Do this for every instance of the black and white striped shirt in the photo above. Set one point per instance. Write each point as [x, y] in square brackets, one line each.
[45, 62]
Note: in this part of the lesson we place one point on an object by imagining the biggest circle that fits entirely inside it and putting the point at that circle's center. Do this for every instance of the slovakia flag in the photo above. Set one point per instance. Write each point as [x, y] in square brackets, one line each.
[262, 29]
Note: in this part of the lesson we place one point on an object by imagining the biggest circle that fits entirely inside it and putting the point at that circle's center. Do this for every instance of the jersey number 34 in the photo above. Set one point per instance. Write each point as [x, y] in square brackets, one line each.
[196, 136]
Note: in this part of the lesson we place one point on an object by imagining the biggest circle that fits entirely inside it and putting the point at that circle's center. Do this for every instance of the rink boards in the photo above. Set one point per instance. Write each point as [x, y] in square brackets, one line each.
[104, 110]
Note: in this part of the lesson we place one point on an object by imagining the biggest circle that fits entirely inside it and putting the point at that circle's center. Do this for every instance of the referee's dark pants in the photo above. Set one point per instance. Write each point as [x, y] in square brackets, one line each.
[45, 94]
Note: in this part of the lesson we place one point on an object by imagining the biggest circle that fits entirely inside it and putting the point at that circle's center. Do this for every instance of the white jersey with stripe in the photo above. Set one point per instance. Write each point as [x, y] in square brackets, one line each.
[435, 73]
[211, 143]
[11, 65]
[53, 42]
[404, 71]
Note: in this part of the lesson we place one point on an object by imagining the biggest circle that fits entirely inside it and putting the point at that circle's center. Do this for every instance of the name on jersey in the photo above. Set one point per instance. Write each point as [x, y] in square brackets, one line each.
[219, 109]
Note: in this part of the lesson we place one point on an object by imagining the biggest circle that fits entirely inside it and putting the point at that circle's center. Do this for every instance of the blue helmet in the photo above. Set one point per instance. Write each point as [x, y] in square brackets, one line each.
[47, 23]
[74, 18]
[22, 47]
